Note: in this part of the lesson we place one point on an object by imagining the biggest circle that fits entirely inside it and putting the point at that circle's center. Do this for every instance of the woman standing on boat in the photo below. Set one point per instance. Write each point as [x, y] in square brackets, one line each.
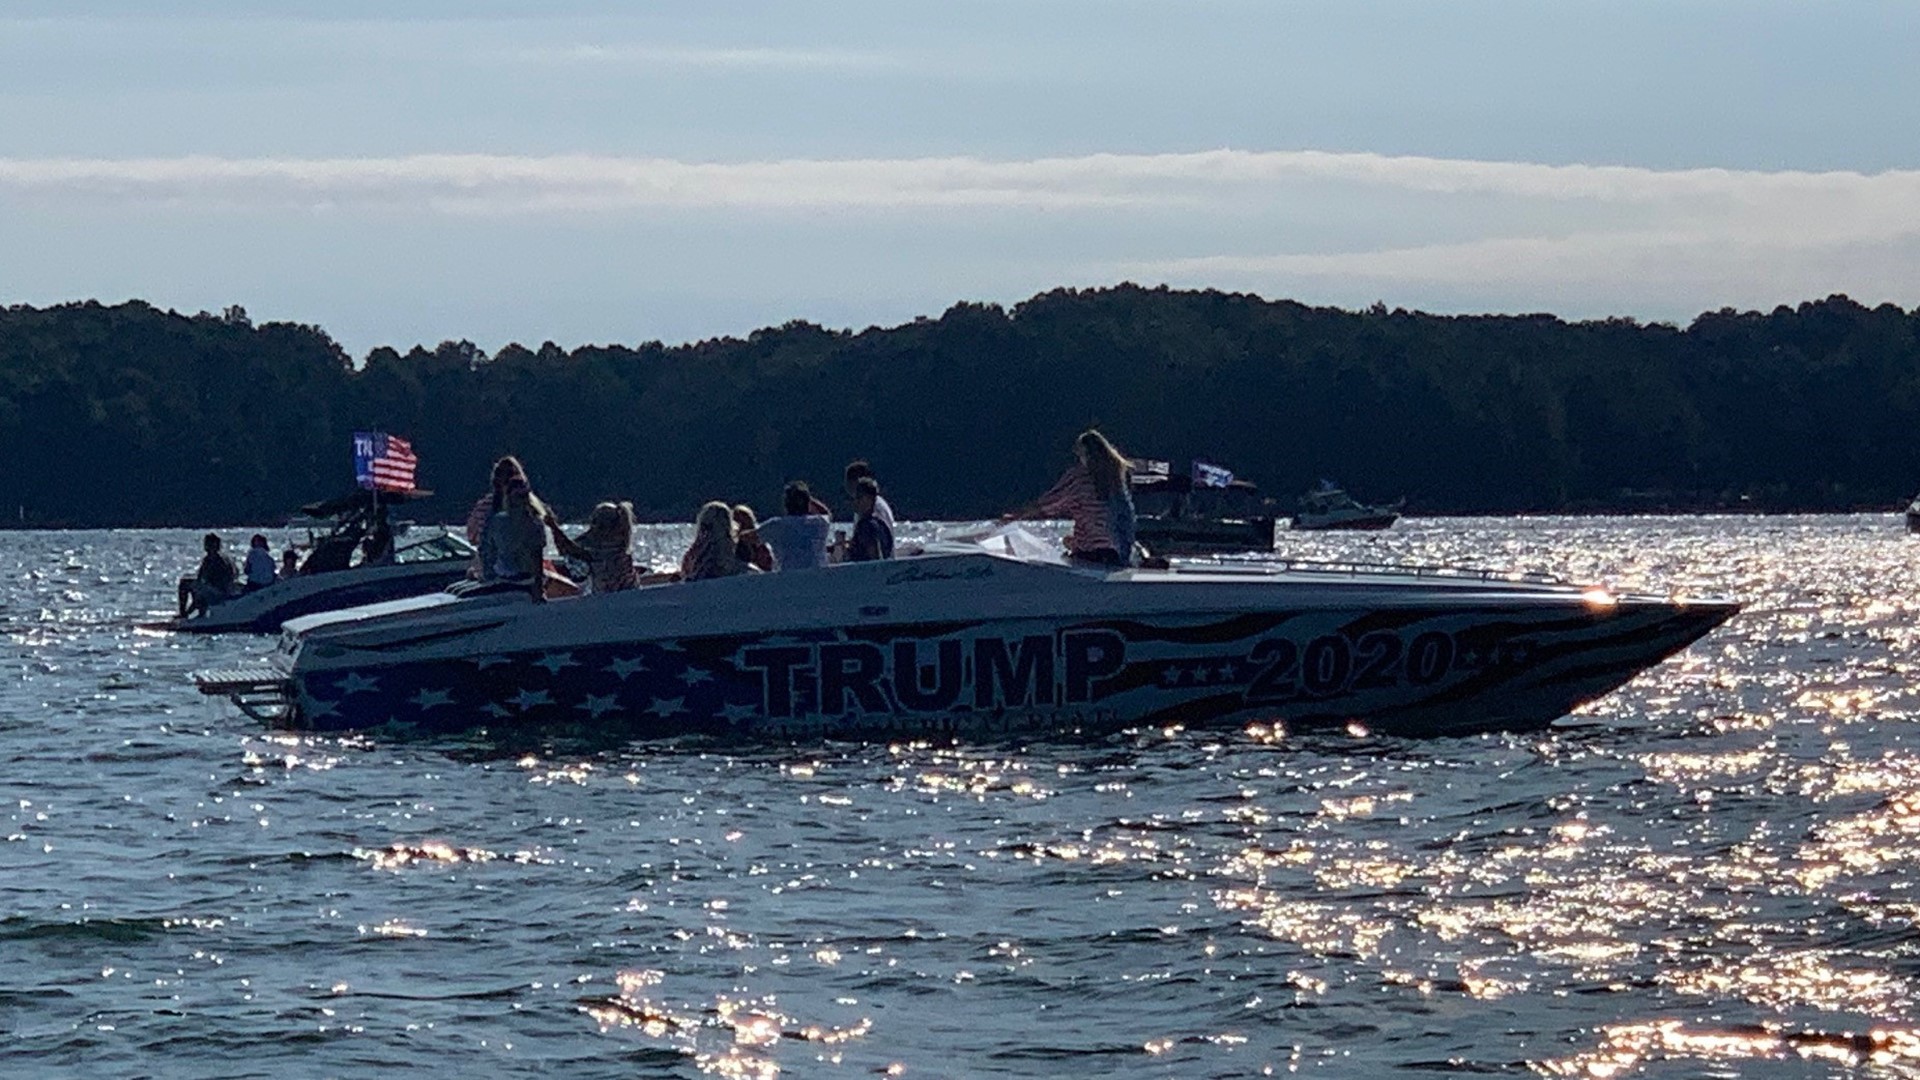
[1093, 493]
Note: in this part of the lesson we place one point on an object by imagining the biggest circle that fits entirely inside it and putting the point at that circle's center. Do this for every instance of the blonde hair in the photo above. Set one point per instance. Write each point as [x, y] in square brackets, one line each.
[743, 511]
[611, 520]
[1107, 464]
[714, 524]
[712, 552]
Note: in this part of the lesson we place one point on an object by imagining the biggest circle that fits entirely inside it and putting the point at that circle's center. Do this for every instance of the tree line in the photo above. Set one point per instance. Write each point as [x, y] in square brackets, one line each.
[125, 414]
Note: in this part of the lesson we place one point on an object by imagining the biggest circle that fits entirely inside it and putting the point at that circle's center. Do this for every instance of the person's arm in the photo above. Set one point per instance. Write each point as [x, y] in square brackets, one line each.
[1049, 503]
[564, 543]
[815, 506]
[760, 556]
[477, 516]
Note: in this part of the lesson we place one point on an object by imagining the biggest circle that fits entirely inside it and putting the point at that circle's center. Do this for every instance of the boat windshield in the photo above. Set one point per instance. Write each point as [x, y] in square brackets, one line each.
[432, 547]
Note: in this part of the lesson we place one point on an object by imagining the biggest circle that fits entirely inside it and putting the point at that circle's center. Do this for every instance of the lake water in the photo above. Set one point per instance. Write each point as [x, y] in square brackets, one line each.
[1710, 872]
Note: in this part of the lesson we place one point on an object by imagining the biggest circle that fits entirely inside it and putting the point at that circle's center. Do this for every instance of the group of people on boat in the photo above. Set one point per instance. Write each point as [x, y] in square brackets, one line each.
[510, 526]
[217, 578]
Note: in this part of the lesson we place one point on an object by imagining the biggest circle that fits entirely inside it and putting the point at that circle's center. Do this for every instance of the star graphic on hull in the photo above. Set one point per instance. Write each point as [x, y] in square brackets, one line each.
[1170, 676]
[557, 662]
[737, 713]
[598, 705]
[527, 699]
[431, 699]
[666, 707]
[321, 708]
[485, 662]
[354, 683]
[694, 677]
[497, 710]
[625, 668]
[1228, 672]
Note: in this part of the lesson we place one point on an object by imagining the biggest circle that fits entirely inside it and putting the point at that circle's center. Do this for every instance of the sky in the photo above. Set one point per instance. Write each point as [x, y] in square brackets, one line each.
[497, 170]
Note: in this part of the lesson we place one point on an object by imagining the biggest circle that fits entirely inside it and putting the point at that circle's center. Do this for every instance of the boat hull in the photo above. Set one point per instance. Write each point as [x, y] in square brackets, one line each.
[1141, 650]
[265, 610]
[1204, 536]
[1368, 522]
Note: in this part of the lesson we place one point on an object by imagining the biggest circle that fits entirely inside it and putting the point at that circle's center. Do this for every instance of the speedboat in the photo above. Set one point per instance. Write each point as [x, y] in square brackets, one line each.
[1176, 516]
[990, 638]
[422, 561]
[1329, 507]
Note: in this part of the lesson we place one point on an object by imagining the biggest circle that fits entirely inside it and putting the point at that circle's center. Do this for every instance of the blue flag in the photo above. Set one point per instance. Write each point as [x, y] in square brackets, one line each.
[1205, 475]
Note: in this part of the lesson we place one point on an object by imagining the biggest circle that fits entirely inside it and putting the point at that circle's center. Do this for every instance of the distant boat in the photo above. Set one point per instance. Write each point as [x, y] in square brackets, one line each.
[1179, 515]
[423, 561]
[1330, 507]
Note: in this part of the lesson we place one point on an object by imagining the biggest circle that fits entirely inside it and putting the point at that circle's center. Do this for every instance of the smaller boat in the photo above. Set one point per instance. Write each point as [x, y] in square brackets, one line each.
[1330, 507]
[1913, 515]
[422, 561]
[1177, 516]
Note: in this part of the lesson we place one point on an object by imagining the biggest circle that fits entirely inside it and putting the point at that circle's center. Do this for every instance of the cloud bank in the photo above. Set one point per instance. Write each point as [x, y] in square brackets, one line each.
[1209, 179]
[1344, 223]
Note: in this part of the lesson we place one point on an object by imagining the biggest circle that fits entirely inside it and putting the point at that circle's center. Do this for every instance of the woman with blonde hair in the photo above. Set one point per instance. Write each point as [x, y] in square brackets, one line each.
[747, 543]
[606, 547]
[1094, 493]
[513, 545]
[713, 553]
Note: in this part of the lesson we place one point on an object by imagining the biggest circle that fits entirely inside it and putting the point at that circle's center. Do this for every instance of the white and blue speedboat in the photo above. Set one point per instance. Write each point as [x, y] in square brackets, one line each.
[423, 560]
[986, 639]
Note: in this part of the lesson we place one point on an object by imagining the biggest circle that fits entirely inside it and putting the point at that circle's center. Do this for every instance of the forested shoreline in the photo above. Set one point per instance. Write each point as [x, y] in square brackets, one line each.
[128, 415]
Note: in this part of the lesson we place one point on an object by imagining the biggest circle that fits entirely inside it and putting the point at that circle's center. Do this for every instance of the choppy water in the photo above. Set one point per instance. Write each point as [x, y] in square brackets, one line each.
[1710, 872]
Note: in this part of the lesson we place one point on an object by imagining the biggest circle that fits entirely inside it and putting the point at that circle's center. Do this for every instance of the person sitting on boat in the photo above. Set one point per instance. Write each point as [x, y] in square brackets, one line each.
[606, 546]
[211, 583]
[714, 552]
[504, 472]
[378, 548]
[856, 471]
[1093, 493]
[335, 550]
[747, 543]
[289, 562]
[872, 535]
[513, 546]
[259, 568]
[799, 536]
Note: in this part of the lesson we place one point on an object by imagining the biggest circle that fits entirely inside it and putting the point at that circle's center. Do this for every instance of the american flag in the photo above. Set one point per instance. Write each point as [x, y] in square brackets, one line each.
[383, 462]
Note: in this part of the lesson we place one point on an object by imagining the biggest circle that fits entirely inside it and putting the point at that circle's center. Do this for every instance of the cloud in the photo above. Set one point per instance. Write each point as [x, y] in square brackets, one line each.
[1336, 223]
[687, 57]
[1217, 180]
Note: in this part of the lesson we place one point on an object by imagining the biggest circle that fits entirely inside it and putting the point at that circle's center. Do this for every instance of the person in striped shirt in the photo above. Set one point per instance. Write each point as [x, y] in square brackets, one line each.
[1093, 493]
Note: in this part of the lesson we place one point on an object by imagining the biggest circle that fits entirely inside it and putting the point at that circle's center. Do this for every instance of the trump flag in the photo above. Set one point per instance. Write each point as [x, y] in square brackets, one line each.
[1209, 475]
[383, 462]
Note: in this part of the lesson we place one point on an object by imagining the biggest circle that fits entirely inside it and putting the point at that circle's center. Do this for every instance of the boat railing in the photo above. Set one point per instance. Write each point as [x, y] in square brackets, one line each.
[1360, 568]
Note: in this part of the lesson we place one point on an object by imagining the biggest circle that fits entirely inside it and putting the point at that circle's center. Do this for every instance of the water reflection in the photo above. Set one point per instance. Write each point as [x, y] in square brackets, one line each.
[1708, 872]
